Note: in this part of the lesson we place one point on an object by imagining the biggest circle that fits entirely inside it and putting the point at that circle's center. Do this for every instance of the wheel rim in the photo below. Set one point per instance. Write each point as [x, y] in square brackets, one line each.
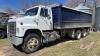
[79, 36]
[84, 33]
[32, 43]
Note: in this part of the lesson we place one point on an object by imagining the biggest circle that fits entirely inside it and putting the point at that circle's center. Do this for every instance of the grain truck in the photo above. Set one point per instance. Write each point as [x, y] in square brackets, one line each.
[43, 24]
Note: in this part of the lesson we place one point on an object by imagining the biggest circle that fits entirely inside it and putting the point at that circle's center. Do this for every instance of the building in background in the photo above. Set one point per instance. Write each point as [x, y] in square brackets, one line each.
[3, 15]
[81, 7]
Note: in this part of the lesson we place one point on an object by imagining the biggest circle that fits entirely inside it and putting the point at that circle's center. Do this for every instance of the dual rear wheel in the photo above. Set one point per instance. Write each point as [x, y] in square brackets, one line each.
[78, 34]
[84, 33]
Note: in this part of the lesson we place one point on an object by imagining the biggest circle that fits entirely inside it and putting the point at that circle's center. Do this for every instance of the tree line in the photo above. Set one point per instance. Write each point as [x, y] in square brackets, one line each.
[24, 4]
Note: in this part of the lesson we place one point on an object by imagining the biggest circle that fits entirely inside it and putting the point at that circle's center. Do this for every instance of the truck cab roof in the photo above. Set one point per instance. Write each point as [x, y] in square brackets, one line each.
[38, 6]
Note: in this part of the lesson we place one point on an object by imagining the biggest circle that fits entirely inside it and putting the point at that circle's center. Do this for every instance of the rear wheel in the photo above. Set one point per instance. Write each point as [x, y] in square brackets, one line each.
[84, 33]
[78, 34]
[71, 34]
[31, 43]
[88, 31]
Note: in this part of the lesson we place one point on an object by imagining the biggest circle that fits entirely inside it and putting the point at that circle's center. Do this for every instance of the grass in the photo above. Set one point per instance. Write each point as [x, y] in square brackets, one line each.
[74, 48]
[90, 45]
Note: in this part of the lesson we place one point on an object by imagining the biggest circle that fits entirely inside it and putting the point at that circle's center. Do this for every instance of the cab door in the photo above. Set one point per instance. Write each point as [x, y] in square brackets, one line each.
[45, 22]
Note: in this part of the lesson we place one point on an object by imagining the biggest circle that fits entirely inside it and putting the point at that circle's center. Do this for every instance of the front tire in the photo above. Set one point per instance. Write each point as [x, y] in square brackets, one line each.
[32, 43]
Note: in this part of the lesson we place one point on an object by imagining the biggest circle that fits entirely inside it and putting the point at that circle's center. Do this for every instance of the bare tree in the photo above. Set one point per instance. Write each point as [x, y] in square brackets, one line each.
[90, 3]
[9, 10]
[74, 3]
[71, 3]
[35, 2]
[98, 2]
[24, 4]
[40, 2]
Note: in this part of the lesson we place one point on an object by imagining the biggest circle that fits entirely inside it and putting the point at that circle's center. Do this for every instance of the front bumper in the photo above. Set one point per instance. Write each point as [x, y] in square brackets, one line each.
[15, 40]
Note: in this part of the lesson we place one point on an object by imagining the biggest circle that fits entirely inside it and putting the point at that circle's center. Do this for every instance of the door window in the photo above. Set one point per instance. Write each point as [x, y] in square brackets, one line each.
[44, 12]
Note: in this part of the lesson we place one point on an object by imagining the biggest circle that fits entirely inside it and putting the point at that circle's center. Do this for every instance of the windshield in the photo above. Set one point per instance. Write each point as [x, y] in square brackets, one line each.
[32, 12]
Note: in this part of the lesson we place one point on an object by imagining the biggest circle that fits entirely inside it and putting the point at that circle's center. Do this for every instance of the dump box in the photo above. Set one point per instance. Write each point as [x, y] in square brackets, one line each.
[69, 18]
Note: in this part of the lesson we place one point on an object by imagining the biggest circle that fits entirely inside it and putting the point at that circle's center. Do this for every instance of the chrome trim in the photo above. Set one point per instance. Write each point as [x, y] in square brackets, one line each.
[12, 28]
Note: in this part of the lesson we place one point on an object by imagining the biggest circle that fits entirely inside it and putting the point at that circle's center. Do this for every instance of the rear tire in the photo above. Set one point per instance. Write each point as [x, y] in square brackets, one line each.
[84, 33]
[78, 34]
[88, 31]
[32, 43]
[71, 34]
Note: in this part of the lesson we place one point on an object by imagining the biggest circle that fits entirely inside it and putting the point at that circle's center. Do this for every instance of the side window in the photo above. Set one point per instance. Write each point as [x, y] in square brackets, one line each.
[44, 12]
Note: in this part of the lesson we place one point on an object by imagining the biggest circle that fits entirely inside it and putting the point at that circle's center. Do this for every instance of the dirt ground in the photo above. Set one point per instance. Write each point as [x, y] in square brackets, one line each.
[8, 50]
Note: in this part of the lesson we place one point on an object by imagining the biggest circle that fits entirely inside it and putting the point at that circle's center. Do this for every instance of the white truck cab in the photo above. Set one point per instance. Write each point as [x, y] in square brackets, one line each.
[36, 20]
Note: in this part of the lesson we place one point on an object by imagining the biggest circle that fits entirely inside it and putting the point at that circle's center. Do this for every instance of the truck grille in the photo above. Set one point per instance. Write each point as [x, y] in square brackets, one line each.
[12, 28]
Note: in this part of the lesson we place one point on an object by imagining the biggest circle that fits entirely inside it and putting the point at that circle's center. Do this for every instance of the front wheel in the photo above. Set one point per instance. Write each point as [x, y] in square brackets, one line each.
[32, 43]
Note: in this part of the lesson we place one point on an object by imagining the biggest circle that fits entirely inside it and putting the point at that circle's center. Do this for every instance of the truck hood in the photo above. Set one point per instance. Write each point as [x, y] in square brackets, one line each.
[23, 19]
